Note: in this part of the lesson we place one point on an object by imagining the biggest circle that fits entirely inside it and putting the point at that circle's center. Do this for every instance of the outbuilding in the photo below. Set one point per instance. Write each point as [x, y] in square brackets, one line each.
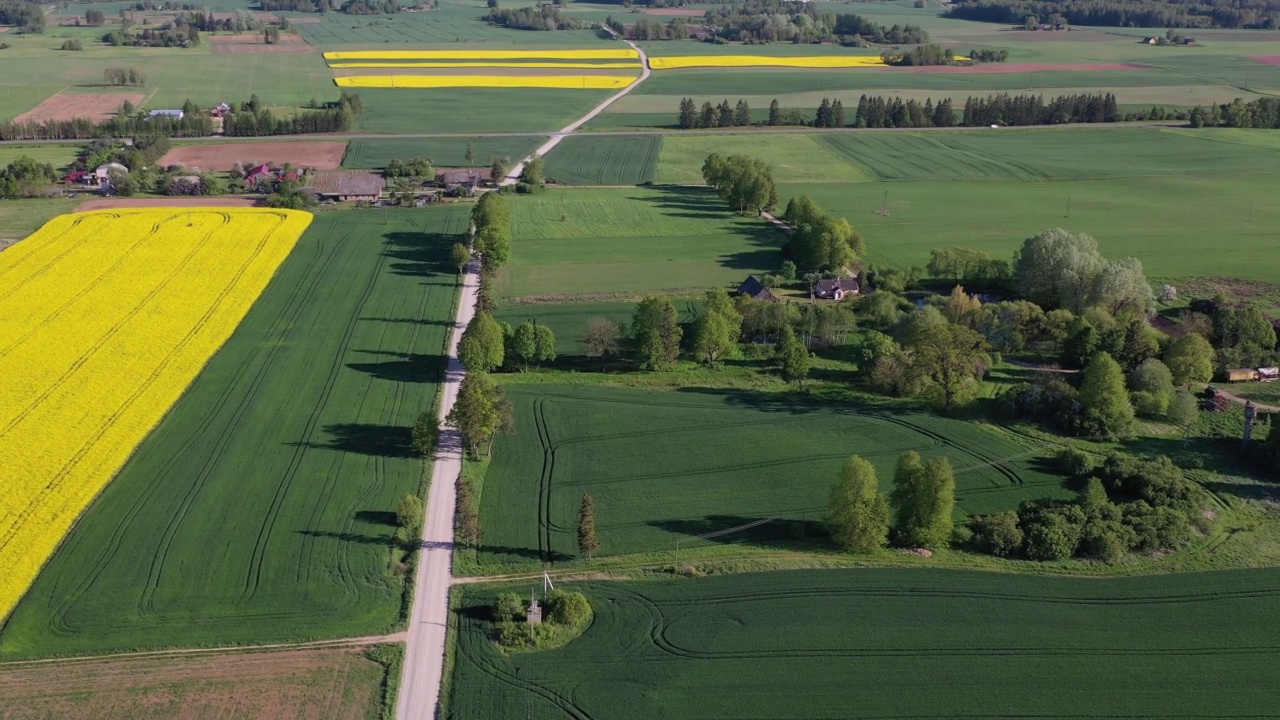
[167, 113]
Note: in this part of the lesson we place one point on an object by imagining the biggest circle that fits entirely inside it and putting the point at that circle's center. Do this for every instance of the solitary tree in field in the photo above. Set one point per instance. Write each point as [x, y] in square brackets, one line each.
[923, 498]
[601, 338]
[588, 541]
[859, 517]
[460, 255]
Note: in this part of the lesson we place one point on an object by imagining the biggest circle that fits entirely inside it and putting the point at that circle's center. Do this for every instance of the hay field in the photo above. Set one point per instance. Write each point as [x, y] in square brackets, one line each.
[258, 509]
[890, 644]
[668, 466]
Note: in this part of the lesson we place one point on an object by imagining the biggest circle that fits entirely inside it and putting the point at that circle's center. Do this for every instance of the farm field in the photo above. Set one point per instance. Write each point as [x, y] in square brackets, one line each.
[614, 160]
[20, 218]
[473, 110]
[59, 156]
[668, 466]
[861, 644]
[339, 683]
[442, 152]
[611, 242]
[452, 25]
[1165, 221]
[80, 298]
[318, 154]
[258, 509]
[794, 157]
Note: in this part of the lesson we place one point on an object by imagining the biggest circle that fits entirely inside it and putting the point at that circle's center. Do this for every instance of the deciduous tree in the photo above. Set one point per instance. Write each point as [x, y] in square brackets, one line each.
[1190, 359]
[792, 356]
[460, 255]
[601, 338]
[950, 359]
[482, 344]
[1105, 411]
[656, 331]
[923, 500]
[859, 514]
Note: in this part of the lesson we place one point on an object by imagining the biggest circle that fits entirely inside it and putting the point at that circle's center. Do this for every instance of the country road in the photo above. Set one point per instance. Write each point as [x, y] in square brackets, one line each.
[429, 622]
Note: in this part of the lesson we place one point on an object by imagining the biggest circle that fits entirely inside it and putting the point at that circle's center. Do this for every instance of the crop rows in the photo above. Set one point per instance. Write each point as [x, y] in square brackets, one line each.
[108, 318]
[617, 160]
[862, 644]
[258, 509]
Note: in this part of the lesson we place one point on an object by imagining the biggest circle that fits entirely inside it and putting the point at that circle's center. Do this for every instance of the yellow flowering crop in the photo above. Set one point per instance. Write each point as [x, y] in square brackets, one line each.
[446, 65]
[610, 54]
[105, 319]
[724, 61]
[574, 82]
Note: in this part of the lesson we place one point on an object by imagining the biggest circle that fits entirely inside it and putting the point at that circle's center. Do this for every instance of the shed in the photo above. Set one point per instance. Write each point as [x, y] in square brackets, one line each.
[167, 113]
[1242, 375]
[837, 289]
[464, 176]
[753, 288]
[360, 188]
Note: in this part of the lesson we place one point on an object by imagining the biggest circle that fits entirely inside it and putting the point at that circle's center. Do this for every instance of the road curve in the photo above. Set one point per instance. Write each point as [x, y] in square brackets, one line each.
[428, 624]
[570, 129]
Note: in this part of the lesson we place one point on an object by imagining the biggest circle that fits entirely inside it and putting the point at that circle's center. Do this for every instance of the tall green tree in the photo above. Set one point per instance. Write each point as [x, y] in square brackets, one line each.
[480, 412]
[409, 516]
[481, 347]
[1190, 359]
[923, 499]
[426, 433]
[534, 343]
[588, 540]
[951, 359]
[688, 114]
[656, 332]
[1058, 269]
[792, 356]
[460, 255]
[1105, 407]
[859, 515]
[466, 516]
[717, 330]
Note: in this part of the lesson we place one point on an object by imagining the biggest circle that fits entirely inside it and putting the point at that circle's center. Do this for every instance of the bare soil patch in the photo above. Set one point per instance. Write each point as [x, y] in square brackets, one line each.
[1266, 59]
[674, 12]
[337, 683]
[1023, 67]
[318, 154]
[251, 43]
[97, 106]
[114, 203]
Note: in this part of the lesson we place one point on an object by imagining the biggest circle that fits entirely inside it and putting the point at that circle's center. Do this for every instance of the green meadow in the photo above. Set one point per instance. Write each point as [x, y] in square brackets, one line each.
[612, 160]
[443, 152]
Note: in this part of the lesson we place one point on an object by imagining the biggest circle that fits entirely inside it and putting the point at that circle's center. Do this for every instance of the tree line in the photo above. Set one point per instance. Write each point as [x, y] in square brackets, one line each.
[746, 183]
[931, 54]
[1249, 14]
[1261, 113]
[881, 112]
[801, 22]
[541, 17]
[28, 17]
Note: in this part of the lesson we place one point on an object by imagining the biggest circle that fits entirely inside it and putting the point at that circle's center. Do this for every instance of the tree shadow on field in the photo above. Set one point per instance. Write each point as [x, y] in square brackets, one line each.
[378, 517]
[738, 529]
[410, 369]
[384, 540]
[765, 240]
[525, 553]
[421, 254]
[390, 441]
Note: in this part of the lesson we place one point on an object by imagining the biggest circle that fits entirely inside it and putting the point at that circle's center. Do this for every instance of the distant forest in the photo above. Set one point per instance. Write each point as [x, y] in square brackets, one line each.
[1246, 14]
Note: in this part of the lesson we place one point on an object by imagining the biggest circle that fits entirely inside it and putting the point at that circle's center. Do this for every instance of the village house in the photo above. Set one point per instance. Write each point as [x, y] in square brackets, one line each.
[464, 177]
[754, 289]
[258, 174]
[836, 288]
[360, 188]
[222, 110]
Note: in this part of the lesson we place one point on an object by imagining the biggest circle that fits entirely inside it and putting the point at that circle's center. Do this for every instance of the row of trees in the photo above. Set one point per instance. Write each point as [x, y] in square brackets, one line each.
[188, 36]
[123, 76]
[799, 22]
[1254, 14]
[542, 17]
[491, 230]
[1006, 109]
[339, 118]
[919, 509]
[930, 54]
[746, 183]
[1261, 113]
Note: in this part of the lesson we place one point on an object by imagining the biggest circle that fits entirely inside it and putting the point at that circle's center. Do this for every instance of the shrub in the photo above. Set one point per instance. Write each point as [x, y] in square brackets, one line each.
[998, 534]
[508, 608]
[1156, 528]
[1052, 529]
[515, 635]
[567, 608]
[1106, 540]
[1075, 462]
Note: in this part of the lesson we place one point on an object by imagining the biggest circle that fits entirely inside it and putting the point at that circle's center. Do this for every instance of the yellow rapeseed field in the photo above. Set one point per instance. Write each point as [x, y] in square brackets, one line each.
[572, 82]
[610, 54]
[105, 318]
[726, 61]
[446, 65]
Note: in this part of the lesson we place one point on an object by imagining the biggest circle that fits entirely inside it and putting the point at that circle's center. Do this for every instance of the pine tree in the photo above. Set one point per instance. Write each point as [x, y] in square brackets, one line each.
[707, 116]
[859, 517]
[688, 114]
[588, 541]
[742, 114]
[837, 114]
[775, 114]
[1107, 411]
[823, 117]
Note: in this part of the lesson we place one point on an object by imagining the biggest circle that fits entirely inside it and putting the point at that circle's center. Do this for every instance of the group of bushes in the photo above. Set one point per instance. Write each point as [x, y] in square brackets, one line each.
[1130, 504]
[564, 615]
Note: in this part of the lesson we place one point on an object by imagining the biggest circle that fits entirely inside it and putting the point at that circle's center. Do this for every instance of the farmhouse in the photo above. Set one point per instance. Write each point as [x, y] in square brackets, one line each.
[221, 110]
[837, 288]
[166, 113]
[102, 174]
[258, 173]
[754, 289]
[360, 188]
[463, 177]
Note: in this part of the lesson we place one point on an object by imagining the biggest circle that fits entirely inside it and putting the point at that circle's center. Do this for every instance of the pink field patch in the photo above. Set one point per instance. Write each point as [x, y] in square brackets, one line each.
[1024, 67]
[1267, 59]
[116, 203]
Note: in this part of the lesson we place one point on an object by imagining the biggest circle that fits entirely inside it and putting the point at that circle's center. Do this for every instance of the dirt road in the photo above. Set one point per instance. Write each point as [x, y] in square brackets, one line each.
[424, 654]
